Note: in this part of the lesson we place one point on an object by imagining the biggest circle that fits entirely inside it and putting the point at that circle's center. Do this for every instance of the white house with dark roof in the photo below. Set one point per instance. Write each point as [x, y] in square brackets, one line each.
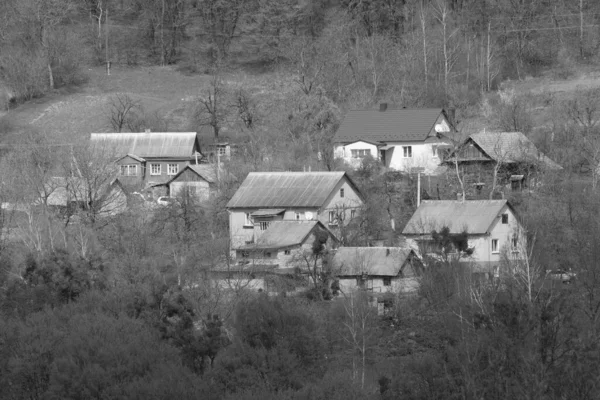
[377, 269]
[149, 158]
[266, 197]
[493, 229]
[401, 138]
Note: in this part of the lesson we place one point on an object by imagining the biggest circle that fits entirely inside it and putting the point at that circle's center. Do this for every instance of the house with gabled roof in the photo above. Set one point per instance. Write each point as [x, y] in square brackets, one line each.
[200, 181]
[149, 158]
[283, 242]
[492, 227]
[514, 156]
[377, 269]
[401, 138]
[263, 198]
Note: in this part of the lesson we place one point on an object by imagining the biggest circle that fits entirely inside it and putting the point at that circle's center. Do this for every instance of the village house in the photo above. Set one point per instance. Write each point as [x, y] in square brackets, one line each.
[493, 231]
[285, 243]
[150, 158]
[402, 139]
[515, 158]
[377, 269]
[267, 197]
[200, 181]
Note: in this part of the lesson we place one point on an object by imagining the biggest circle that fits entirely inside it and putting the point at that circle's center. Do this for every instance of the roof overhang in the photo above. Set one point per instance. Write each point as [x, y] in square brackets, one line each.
[268, 212]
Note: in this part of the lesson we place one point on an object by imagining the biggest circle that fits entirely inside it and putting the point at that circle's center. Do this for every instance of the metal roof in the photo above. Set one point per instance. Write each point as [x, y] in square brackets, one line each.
[401, 125]
[473, 216]
[381, 261]
[510, 147]
[281, 234]
[149, 144]
[286, 189]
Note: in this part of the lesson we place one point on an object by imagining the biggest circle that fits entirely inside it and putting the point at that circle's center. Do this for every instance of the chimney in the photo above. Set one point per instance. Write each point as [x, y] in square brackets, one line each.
[383, 107]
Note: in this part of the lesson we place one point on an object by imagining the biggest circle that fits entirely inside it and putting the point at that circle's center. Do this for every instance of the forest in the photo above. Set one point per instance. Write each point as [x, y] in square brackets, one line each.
[105, 306]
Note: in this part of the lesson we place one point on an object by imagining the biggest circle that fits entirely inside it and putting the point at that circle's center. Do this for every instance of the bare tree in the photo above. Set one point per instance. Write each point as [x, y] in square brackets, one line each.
[450, 45]
[212, 109]
[123, 111]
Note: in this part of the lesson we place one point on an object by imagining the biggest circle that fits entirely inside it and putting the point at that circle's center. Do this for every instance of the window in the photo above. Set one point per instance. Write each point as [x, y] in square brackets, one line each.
[341, 192]
[287, 252]
[360, 153]
[352, 214]
[268, 254]
[505, 218]
[264, 225]
[247, 219]
[299, 216]
[155, 169]
[495, 246]
[129, 170]
[245, 254]
[387, 281]
[173, 169]
[221, 150]
[515, 242]
[407, 151]
[434, 150]
[332, 218]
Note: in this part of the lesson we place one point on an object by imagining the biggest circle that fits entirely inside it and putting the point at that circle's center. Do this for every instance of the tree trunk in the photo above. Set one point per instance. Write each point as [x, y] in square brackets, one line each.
[50, 76]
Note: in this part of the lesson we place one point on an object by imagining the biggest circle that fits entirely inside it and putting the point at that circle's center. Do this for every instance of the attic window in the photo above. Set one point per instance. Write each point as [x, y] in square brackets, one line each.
[505, 218]
[341, 192]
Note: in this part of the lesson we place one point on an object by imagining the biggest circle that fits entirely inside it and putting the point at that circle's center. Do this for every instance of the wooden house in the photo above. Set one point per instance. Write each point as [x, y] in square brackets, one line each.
[494, 232]
[515, 158]
[377, 269]
[402, 139]
[147, 159]
[266, 197]
[200, 181]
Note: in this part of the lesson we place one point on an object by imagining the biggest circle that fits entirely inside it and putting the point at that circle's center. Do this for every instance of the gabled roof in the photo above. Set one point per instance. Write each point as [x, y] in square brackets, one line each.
[379, 261]
[149, 144]
[404, 124]
[473, 216]
[204, 171]
[133, 156]
[282, 234]
[509, 147]
[287, 189]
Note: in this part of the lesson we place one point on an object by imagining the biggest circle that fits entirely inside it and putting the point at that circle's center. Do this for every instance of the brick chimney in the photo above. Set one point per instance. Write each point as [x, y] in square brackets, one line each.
[383, 107]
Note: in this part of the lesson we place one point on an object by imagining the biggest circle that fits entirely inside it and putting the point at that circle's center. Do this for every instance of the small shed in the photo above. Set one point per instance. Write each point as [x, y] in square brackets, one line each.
[199, 180]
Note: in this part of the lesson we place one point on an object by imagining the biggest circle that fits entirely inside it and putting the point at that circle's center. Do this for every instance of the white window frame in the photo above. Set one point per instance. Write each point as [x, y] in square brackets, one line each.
[152, 169]
[360, 153]
[407, 151]
[127, 168]
[495, 246]
[332, 218]
[247, 220]
[171, 168]
[221, 150]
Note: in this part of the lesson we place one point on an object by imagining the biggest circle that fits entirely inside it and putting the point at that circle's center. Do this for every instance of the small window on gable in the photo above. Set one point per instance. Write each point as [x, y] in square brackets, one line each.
[342, 192]
[505, 218]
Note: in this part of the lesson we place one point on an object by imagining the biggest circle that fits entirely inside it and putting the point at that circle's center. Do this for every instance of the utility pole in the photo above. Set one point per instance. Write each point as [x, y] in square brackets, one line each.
[106, 42]
[418, 189]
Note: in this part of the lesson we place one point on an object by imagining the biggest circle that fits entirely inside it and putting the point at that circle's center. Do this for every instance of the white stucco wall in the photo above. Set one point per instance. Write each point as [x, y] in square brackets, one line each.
[423, 156]
[344, 151]
[398, 285]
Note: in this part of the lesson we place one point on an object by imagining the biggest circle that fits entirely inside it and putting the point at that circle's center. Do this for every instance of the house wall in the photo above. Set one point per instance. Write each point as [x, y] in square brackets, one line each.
[241, 233]
[344, 151]
[337, 203]
[164, 169]
[190, 179]
[130, 180]
[398, 284]
[423, 156]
